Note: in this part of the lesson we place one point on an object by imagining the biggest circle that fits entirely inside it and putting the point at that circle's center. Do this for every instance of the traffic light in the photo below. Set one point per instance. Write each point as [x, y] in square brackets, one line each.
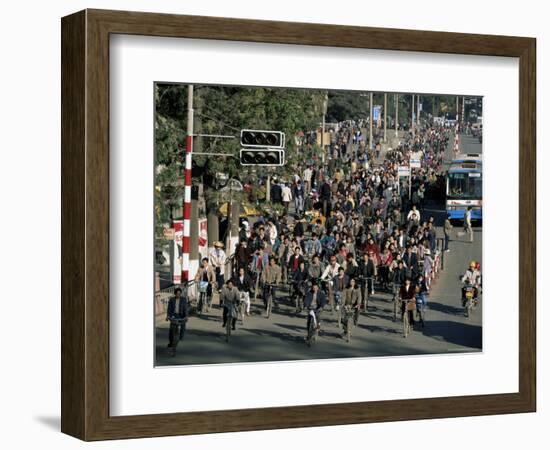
[262, 157]
[262, 138]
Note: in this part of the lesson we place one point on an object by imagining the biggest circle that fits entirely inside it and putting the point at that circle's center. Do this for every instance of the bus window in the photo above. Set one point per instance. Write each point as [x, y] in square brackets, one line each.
[465, 185]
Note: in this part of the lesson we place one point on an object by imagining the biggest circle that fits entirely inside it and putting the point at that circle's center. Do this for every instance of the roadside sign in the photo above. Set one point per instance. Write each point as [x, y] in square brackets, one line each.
[415, 163]
[403, 171]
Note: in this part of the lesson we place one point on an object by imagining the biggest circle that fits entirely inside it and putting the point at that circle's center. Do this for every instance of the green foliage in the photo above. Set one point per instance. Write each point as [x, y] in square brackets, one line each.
[224, 110]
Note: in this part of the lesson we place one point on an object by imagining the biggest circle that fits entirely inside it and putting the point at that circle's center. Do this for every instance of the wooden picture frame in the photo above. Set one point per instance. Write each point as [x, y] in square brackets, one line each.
[85, 224]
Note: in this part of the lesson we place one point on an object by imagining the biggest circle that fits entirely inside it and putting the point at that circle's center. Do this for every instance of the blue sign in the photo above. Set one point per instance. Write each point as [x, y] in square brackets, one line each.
[376, 112]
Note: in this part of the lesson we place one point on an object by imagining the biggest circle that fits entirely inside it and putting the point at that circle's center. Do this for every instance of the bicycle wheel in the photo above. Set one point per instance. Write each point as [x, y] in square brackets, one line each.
[228, 328]
[310, 333]
[405, 323]
[200, 305]
[395, 305]
[269, 303]
[242, 309]
[348, 331]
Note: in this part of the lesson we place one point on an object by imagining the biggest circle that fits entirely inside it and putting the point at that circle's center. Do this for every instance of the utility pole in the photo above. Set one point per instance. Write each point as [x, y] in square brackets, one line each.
[187, 191]
[370, 120]
[462, 115]
[385, 115]
[325, 106]
[418, 110]
[396, 113]
[412, 113]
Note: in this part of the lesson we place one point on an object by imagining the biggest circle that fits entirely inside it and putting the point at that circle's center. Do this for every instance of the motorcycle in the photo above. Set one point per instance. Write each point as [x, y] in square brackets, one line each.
[470, 299]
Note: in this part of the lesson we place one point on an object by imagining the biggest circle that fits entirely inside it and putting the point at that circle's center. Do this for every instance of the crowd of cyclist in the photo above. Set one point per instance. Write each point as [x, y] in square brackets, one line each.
[354, 227]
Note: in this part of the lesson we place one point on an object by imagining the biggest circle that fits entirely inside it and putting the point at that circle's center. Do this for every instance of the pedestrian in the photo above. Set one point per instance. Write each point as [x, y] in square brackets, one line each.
[468, 223]
[286, 195]
[447, 230]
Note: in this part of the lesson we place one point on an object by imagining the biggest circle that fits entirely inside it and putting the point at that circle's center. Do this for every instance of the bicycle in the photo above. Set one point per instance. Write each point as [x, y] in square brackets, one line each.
[348, 322]
[395, 290]
[421, 308]
[176, 323]
[242, 306]
[366, 282]
[270, 288]
[298, 294]
[229, 321]
[471, 301]
[337, 300]
[205, 300]
[313, 328]
[406, 323]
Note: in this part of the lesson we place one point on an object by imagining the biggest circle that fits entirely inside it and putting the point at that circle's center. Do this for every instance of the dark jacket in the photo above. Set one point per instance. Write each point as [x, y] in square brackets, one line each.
[183, 310]
[300, 276]
[292, 259]
[407, 294]
[367, 269]
[321, 299]
[325, 192]
[411, 261]
[399, 275]
[336, 283]
[245, 285]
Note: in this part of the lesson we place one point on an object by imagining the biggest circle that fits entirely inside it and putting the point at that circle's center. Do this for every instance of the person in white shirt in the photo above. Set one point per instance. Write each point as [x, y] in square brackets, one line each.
[468, 223]
[308, 173]
[287, 196]
[330, 272]
[217, 260]
[413, 211]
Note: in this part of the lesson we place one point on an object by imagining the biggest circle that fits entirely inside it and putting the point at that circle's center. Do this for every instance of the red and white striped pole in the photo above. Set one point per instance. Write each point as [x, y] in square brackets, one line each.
[456, 149]
[187, 191]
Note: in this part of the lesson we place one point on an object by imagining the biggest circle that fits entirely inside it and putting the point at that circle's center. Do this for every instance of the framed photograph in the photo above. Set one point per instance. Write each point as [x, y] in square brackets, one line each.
[272, 225]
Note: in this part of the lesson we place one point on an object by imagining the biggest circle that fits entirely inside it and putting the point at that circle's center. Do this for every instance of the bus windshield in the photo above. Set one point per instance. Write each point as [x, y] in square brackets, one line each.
[465, 185]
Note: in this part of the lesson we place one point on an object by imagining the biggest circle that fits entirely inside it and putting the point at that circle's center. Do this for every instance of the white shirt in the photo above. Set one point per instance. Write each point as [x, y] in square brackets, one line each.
[411, 212]
[331, 270]
[217, 257]
[286, 194]
[307, 174]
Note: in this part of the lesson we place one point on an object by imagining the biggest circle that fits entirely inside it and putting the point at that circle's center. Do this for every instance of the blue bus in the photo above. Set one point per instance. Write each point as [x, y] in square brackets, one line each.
[464, 188]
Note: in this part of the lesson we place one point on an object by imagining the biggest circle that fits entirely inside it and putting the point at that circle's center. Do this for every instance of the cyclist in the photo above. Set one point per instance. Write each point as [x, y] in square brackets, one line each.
[330, 272]
[229, 298]
[271, 274]
[206, 274]
[315, 300]
[339, 284]
[177, 310]
[352, 299]
[299, 281]
[315, 269]
[367, 272]
[244, 285]
[217, 260]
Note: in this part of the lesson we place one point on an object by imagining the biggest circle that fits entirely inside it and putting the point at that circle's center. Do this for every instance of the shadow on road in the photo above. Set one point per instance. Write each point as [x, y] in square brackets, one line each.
[458, 333]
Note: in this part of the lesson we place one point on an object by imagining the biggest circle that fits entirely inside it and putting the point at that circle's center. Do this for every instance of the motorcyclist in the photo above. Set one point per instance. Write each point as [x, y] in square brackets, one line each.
[472, 277]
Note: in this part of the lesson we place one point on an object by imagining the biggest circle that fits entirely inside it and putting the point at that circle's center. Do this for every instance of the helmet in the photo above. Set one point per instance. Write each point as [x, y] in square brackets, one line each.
[472, 264]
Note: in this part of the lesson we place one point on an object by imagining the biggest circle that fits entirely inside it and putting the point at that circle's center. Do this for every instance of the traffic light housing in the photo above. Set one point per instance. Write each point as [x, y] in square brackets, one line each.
[262, 139]
[262, 157]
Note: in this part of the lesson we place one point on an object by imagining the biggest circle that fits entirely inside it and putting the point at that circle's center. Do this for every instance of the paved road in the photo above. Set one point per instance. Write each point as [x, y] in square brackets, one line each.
[281, 337]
